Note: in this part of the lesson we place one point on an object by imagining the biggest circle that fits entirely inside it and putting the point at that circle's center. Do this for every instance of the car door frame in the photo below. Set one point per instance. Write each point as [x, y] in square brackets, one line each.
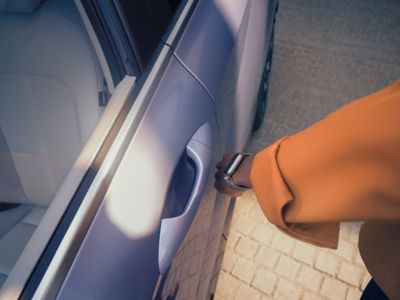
[112, 144]
[54, 263]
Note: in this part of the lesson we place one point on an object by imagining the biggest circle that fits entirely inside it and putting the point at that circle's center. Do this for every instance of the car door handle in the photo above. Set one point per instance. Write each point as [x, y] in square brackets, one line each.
[174, 229]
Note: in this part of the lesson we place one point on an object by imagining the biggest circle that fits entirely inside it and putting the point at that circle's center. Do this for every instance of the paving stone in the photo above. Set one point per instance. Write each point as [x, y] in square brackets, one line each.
[233, 238]
[229, 260]
[346, 250]
[309, 278]
[263, 234]
[287, 291]
[244, 270]
[312, 296]
[226, 286]
[305, 253]
[236, 214]
[246, 247]
[327, 262]
[333, 289]
[244, 204]
[283, 243]
[353, 294]
[258, 215]
[244, 224]
[264, 297]
[350, 231]
[287, 267]
[265, 281]
[247, 292]
[345, 231]
[267, 257]
[351, 274]
[358, 260]
[365, 281]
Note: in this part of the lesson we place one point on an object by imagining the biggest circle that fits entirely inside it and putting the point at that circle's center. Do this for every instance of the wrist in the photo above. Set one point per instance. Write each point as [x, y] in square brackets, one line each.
[242, 174]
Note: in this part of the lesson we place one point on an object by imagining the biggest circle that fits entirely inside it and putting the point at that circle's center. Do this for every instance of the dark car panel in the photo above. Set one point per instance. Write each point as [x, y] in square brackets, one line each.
[235, 103]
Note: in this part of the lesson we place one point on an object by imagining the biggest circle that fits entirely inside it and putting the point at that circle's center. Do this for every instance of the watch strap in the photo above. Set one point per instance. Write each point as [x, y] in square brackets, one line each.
[232, 167]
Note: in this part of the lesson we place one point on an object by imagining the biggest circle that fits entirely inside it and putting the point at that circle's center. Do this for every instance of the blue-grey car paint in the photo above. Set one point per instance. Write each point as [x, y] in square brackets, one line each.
[110, 265]
[238, 70]
[206, 45]
[192, 268]
[228, 58]
[173, 230]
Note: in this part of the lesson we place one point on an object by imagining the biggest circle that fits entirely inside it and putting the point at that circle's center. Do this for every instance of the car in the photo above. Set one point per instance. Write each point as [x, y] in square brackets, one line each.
[113, 115]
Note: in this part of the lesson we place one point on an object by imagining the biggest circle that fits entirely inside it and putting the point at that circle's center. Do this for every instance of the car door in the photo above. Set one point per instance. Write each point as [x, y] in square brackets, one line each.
[148, 190]
[126, 247]
[224, 45]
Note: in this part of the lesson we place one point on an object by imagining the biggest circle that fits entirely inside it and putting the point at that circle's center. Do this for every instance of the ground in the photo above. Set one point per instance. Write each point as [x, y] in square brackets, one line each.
[327, 53]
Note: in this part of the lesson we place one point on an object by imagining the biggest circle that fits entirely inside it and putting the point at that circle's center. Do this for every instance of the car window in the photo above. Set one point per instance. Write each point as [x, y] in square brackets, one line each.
[147, 22]
[53, 94]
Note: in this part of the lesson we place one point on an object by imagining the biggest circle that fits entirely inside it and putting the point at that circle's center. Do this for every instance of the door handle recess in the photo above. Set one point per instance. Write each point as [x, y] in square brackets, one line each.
[173, 230]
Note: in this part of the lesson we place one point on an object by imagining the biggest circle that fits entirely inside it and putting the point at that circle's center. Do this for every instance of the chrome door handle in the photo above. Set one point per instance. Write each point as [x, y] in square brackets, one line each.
[173, 230]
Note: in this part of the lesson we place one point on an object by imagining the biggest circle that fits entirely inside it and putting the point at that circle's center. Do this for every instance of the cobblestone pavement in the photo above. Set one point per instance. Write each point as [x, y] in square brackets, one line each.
[326, 54]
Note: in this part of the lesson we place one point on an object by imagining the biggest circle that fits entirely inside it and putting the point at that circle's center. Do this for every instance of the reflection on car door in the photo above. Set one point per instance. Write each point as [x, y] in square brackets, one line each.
[119, 257]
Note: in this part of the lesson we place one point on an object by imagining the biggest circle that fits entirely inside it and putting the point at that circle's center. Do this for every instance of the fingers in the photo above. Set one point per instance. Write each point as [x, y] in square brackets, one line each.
[227, 190]
[220, 184]
[225, 161]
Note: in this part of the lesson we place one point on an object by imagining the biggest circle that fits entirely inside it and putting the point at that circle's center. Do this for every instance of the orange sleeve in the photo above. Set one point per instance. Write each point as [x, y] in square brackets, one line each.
[343, 168]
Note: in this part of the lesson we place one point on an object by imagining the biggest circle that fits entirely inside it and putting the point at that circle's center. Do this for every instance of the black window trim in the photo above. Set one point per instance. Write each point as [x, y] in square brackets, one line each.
[171, 35]
[112, 37]
[178, 25]
[129, 35]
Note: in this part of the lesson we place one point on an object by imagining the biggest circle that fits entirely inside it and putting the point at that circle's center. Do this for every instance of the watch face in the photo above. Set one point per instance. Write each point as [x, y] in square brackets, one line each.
[234, 164]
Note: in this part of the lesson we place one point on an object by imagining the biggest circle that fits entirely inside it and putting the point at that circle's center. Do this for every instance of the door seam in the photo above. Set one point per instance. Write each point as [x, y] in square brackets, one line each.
[182, 63]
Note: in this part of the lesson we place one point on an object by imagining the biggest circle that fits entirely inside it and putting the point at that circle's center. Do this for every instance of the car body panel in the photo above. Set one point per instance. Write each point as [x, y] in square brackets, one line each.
[222, 47]
[183, 279]
[119, 256]
[208, 39]
[236, 100]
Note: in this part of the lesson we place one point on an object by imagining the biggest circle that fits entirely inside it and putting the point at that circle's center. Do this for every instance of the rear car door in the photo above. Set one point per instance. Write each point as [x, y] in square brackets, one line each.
[224, 46]
[162, 176]
[147, 192]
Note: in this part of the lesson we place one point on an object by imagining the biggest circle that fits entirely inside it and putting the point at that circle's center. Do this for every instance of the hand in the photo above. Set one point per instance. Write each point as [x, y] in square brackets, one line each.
[241, 176]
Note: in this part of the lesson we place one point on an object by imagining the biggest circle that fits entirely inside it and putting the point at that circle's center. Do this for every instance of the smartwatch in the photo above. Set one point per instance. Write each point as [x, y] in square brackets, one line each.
[233, 165]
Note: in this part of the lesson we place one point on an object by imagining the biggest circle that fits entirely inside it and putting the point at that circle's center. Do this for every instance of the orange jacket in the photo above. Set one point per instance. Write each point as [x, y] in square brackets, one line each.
[343, 168]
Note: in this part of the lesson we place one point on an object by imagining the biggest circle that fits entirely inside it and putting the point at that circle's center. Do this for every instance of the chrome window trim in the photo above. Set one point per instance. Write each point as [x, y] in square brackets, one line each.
[115, 25]
[183, 16]
[97, 47]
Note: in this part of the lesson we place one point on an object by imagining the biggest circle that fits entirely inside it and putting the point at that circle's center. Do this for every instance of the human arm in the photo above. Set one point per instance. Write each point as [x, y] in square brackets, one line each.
[344, 168]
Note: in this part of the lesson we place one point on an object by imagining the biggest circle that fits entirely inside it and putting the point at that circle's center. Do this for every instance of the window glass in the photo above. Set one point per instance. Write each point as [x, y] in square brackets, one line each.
[142, 28]
[147, 21]
[162, 14]
[52, 94]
